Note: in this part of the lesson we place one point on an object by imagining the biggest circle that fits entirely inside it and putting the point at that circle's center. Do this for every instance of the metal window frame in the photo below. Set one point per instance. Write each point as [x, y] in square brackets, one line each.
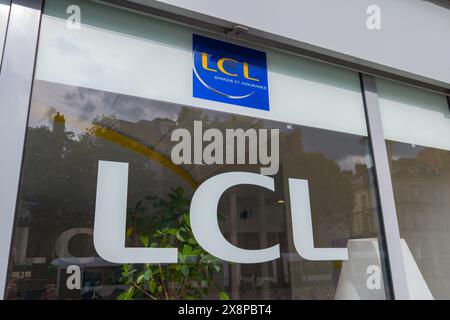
[384, 189]
[3, 38]
[16, 81]
[448, 102]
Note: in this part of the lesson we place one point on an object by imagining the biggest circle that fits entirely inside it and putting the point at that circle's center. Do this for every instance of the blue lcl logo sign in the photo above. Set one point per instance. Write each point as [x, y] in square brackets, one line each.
[228, 73]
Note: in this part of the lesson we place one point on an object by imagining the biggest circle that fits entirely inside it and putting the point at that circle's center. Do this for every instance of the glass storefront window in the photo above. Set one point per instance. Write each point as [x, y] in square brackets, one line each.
[417, 128]
[118, 93]
[4, 13]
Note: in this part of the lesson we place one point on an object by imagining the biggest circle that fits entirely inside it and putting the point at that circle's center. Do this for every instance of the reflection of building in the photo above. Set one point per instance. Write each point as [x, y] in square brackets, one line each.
[363, 223]
[422, 192]
[253, 218]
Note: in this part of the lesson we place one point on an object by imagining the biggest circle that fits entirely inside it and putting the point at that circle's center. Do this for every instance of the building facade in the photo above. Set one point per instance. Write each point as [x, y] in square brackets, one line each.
[224, 150]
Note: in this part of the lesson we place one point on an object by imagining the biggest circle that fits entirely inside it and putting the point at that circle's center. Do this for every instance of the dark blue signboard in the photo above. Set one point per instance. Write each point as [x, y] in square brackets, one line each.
[229, 73]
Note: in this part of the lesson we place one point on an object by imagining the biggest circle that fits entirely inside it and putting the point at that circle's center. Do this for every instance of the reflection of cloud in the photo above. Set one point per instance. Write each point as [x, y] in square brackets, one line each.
[42, 115]
[87, 104]
[67, 47]
[348, 163]
[400, 150]
[89, 107]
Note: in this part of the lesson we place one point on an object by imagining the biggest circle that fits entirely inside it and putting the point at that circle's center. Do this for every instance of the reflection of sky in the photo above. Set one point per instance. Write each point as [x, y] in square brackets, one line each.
[347, 150]
[348, 162]
[86, 105]
[404, 150]
[121, 52]
[81, 106]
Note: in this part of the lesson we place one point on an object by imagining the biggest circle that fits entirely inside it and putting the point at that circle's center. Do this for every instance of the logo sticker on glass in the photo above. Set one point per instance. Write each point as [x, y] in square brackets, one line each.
[228, 73]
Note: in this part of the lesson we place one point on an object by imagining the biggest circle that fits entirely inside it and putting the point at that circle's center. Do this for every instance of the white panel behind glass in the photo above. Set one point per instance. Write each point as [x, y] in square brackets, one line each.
[414, 116]
[136, 55]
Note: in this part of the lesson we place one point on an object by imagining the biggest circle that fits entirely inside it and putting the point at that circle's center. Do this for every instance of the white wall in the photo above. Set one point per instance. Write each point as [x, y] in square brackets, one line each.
[413, 40]
[127, 53]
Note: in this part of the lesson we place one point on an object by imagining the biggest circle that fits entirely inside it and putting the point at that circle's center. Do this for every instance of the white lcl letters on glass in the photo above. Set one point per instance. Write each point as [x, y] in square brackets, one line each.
[110, 220]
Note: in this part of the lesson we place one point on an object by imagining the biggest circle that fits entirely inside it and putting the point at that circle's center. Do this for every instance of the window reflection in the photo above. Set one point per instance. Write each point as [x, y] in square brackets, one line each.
[421, 178]
[72, 128]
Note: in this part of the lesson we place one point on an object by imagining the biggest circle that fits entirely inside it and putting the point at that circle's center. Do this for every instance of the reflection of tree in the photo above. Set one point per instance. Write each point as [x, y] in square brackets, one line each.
[58, 190]
[330, 190]
[331, 198]
[60, 173]
[58, 187]
[109, 130]
[63, 168]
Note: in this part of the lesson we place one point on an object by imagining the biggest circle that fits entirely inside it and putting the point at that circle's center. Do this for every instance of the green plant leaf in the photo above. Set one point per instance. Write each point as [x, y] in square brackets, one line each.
[169, 227]
[187, 249]
[140, 279]
[223, 296]
[144, 240]
[147, 275]
[123, 296]
[184, 270]
[179, 237]
[152, 286]
[129, 293]
[173, 231]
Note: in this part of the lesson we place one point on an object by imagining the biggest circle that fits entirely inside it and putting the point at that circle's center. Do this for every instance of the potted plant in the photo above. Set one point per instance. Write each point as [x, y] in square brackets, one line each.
[196, 273]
